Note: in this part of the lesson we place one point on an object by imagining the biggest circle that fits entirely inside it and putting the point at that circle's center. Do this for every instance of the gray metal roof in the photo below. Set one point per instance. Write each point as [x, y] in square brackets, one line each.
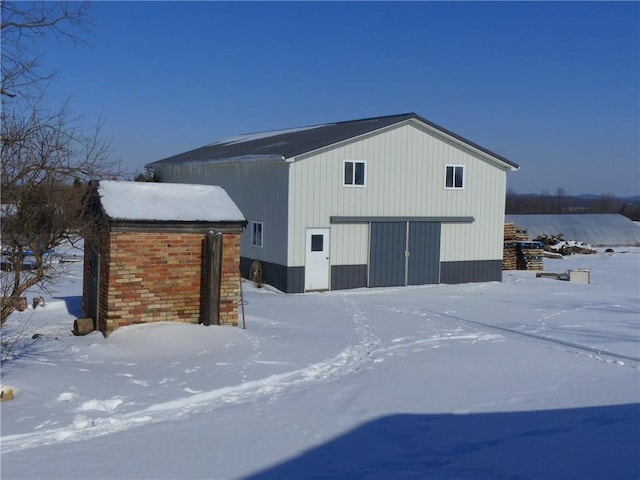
[297, 141]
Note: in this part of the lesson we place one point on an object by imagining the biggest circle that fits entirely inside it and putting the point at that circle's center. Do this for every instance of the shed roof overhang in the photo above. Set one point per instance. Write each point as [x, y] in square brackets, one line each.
[175, 227]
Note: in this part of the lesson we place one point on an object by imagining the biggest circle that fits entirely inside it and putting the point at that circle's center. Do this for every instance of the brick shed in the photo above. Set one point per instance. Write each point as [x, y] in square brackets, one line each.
[161, 252]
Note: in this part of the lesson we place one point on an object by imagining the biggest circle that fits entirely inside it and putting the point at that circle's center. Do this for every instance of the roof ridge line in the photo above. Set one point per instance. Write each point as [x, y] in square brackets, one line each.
[409, 114]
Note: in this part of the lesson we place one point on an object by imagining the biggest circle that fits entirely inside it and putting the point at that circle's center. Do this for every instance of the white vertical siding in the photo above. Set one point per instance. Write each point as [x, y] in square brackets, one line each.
[350, 244]
[405, 177]
[484, 195]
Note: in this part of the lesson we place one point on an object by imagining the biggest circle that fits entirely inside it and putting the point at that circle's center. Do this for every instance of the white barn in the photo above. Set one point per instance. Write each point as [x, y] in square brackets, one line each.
[383, 201]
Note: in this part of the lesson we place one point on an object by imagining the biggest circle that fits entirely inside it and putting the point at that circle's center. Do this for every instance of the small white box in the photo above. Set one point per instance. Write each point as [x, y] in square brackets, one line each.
[582, 275]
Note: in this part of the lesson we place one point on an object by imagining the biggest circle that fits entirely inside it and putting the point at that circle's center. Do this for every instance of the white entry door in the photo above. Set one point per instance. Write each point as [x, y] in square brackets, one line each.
[316, 267]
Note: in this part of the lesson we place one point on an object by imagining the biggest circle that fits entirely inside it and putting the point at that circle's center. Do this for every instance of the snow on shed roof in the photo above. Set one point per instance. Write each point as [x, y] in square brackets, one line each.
[148, 201]
[602, 229]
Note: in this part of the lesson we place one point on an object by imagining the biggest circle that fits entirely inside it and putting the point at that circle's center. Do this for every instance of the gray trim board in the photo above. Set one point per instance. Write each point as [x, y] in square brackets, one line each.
[339, 219]
[285, 279]
[295, 280]
[348, 276]
[471, 271]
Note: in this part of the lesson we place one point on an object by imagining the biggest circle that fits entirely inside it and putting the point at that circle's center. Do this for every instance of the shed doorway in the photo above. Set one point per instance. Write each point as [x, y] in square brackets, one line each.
[404, 253]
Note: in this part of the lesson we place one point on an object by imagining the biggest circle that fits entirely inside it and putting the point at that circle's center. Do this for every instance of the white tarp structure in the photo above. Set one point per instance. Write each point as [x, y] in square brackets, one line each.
[595, 229]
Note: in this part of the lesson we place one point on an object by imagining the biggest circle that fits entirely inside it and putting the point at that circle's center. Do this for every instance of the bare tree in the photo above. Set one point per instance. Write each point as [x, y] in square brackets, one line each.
[561, 195]
[544, 202]
[24, 25]
[47, 156]
[605, 203]
[46, 162]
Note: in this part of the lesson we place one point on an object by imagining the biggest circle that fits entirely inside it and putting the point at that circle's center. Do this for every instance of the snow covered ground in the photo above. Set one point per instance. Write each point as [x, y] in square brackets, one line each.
[531, 378]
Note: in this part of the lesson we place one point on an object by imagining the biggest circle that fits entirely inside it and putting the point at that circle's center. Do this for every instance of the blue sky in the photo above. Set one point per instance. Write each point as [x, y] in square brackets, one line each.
[554, 87]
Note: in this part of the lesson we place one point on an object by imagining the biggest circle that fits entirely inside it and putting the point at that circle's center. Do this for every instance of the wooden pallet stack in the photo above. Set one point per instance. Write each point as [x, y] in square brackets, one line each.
[530, 256]
[510, 256]
[519, 253]
[515, 233]
[510, 251]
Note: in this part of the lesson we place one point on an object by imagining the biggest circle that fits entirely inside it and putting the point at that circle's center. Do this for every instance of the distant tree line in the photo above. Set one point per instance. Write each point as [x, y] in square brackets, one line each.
[560, 202]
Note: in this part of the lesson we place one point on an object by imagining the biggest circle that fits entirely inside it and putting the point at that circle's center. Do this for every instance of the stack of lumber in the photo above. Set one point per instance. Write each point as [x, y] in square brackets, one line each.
[513, 232]
[510, 256]
[510, 250]
[519, 253]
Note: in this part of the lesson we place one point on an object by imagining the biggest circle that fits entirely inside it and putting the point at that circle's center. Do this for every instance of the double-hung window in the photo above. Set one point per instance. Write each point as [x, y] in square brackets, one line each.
[256, 234]
[454, 176]
[354, 173]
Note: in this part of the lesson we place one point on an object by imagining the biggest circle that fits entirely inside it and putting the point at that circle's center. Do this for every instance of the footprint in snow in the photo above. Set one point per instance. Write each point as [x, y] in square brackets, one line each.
[66, 397]
[109, 405]
[191, 390]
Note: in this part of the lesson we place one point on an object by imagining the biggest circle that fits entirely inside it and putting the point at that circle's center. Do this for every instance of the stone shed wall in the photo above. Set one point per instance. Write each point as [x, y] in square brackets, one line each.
[152, 276]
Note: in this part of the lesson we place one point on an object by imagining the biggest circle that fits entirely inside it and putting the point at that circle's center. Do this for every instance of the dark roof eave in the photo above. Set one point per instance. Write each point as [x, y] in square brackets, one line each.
[222, 160]
[468, 142]
[200, 227]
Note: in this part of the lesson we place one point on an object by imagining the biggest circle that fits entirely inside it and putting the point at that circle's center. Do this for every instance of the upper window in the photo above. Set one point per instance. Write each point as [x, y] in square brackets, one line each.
[256, 234]
[354, 173]
[454, 177]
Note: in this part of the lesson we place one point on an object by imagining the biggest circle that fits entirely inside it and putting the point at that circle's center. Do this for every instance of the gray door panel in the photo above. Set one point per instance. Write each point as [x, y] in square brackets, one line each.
[424, 253]
[386, 255]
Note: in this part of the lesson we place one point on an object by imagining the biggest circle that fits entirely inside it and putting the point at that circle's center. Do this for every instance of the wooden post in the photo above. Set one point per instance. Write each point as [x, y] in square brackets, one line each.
[244, 325]
[213, 277]
[96, 320]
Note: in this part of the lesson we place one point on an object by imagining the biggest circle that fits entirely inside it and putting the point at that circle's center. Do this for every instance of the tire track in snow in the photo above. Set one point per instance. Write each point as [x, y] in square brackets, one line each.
[586, 349]
[363, 342]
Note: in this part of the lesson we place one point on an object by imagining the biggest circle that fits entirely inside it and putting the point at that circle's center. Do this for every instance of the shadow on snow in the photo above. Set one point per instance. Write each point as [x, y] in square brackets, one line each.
[73, 304]
[585, 443]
